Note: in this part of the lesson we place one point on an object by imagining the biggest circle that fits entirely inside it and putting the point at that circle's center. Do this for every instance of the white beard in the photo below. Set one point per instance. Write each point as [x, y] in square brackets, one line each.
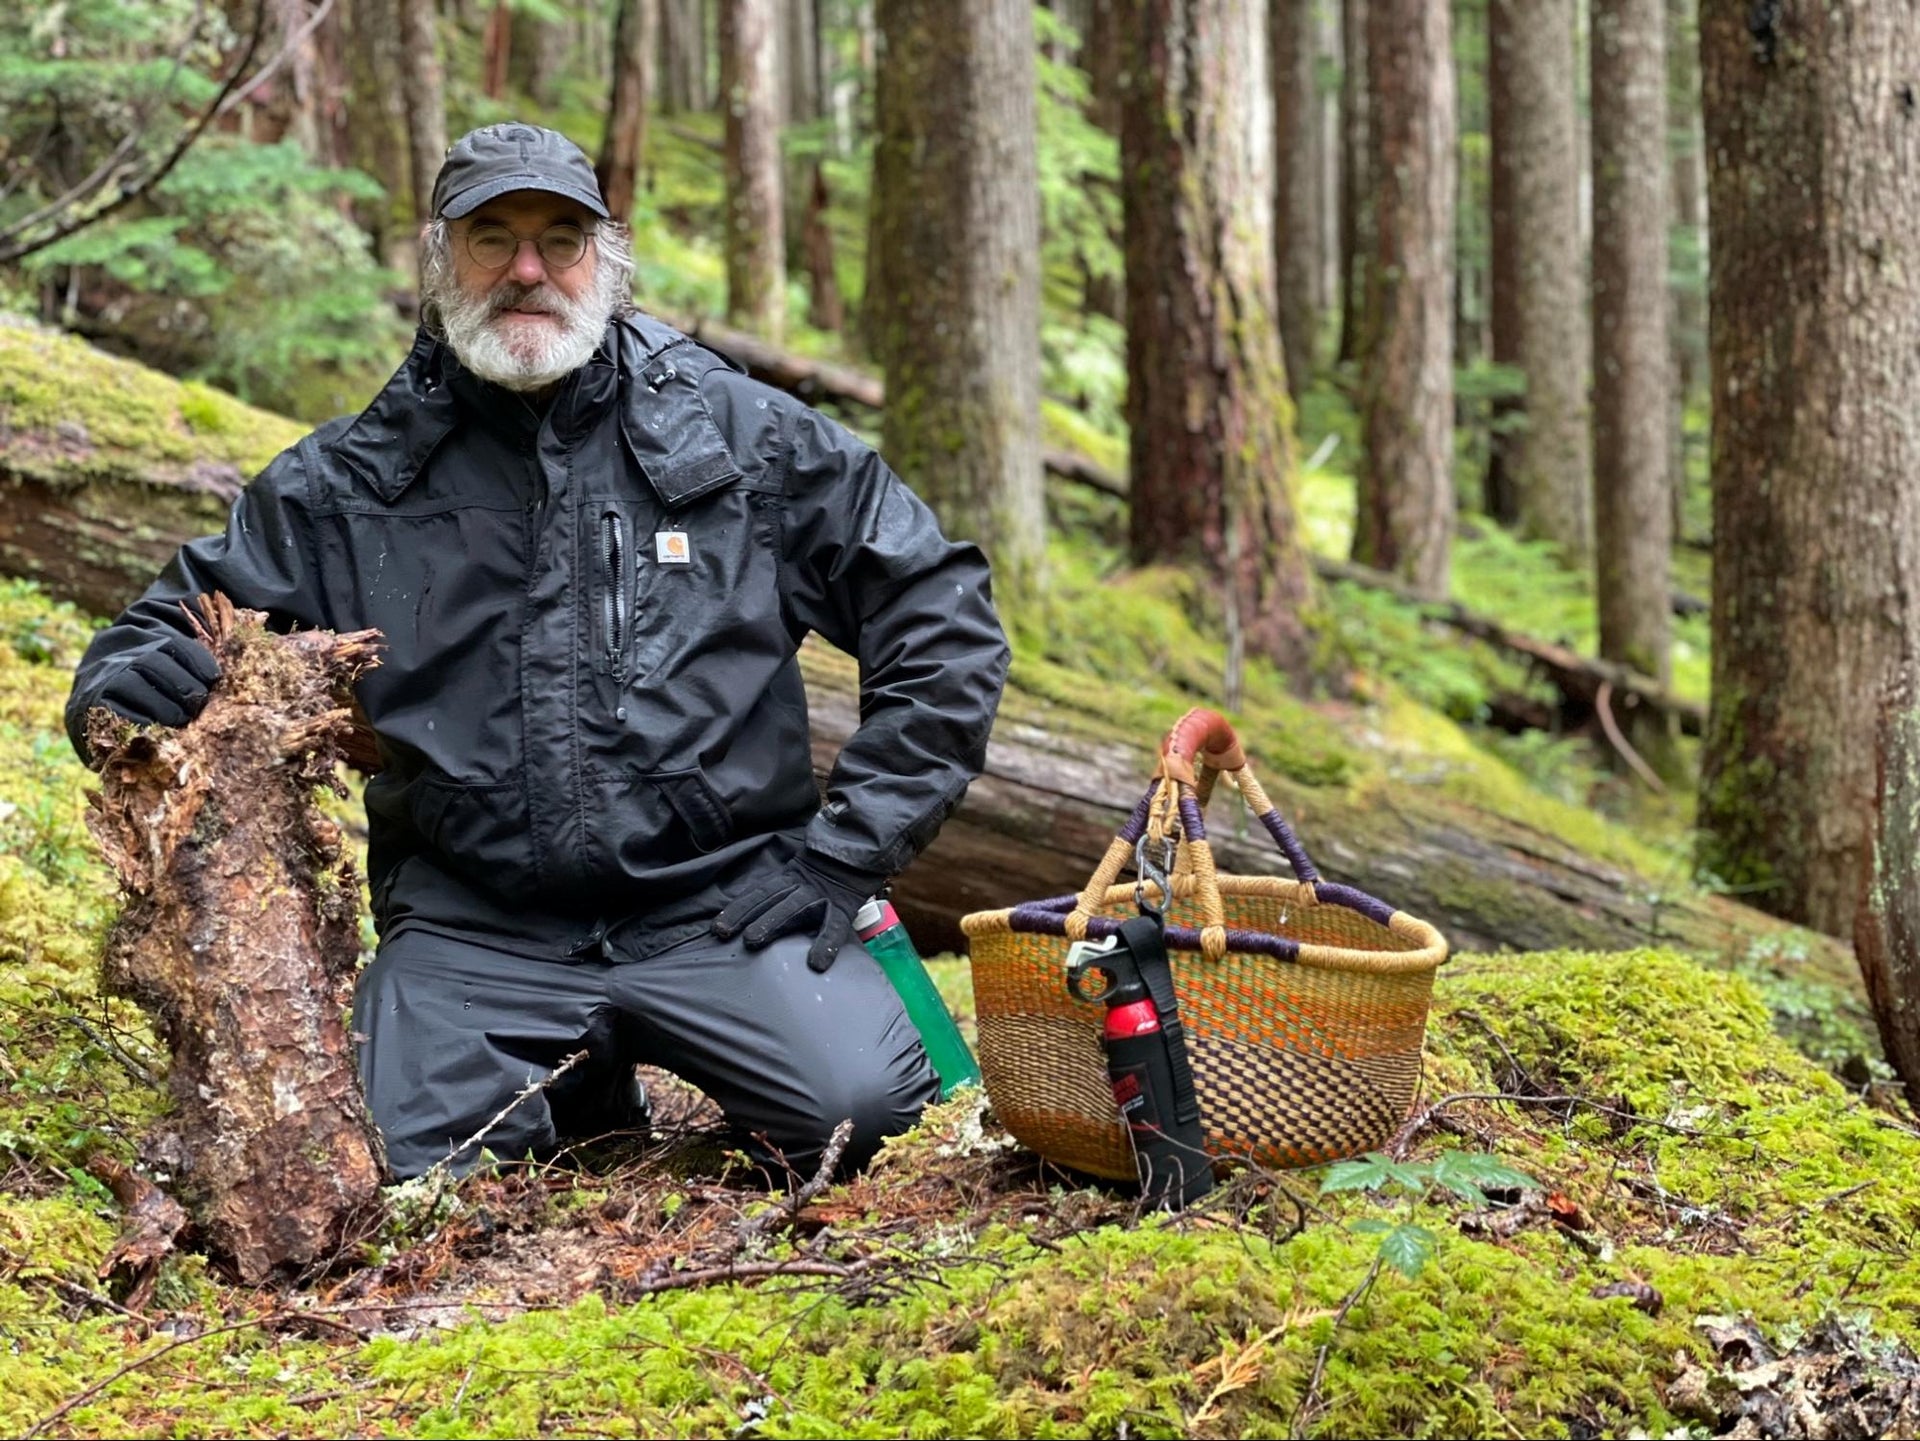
[522, 355]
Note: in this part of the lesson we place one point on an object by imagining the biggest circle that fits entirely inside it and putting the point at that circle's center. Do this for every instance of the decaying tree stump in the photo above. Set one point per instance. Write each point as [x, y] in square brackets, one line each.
[239, 937]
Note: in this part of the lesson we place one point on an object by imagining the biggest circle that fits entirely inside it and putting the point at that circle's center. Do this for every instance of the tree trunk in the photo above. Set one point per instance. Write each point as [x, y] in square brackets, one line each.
[1355, 179]
[1470, 215]
[624, 142]
[1815, 342]
[1207, 405]
[239, 939]
[799, 45]
[825, 308]
[683, 56]
[956, 196]
[1538, 278]
[496, 50]
[1326, 195]
[1886, 929]
[1632, 383]
[1404, 522]
[425, 100]
[1296, 230]
[539, 57]
[755, 238]
[1100, 58]
[378, 139]
[1688, 229]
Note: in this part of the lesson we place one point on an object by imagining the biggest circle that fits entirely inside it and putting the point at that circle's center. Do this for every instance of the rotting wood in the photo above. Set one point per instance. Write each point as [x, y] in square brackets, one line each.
[239, 938]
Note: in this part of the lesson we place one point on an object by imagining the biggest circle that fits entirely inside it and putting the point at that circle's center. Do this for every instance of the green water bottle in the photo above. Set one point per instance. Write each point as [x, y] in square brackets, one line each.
[888, 943]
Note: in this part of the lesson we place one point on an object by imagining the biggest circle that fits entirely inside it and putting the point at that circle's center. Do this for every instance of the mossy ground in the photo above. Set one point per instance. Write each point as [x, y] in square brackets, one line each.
[1726, 1170]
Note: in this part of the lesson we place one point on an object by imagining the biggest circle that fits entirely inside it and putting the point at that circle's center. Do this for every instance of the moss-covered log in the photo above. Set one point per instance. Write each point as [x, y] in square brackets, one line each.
[239, 938]
[106, 466]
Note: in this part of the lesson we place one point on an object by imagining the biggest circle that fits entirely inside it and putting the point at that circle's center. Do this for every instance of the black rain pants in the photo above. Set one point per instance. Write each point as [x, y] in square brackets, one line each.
[454, 1029]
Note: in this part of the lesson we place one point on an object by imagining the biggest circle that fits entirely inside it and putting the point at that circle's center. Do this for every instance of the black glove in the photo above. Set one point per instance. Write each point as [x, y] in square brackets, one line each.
[814, 893]
[164, 686]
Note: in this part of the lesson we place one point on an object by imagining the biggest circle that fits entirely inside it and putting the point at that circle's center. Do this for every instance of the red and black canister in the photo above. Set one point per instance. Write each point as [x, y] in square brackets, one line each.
[1146, 1059]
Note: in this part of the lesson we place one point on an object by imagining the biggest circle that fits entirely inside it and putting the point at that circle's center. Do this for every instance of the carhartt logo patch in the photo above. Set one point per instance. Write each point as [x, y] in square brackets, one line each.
[670, 547]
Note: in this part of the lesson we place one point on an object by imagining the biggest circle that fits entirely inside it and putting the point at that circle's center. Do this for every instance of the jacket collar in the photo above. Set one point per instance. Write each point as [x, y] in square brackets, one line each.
[392, 438]
[636, 369]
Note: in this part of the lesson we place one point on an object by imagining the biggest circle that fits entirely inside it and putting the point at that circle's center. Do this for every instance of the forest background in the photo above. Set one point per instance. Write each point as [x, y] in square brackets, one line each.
[1513, 402]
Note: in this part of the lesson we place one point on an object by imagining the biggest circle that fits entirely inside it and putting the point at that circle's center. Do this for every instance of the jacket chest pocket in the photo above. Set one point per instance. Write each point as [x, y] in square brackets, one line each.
[614, 569]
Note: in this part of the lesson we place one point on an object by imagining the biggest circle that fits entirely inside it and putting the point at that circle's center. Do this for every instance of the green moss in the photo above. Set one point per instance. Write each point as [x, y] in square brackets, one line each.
[72, 410]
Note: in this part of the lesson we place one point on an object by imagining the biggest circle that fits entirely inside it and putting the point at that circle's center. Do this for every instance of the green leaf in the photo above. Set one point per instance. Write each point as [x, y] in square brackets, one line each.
[1361, 1175]
[1407, 1248]
[1470, 1173]
[1370, 1226]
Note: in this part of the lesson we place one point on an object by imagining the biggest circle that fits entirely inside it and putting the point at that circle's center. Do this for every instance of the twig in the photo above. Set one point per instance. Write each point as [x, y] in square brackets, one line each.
[19, 249]
[752, 1227]
[81, 1398]
[753, 1271]
[139, 1071]
[1603, 707]
[73, 1289]
[1420, 1120]
[1303, 1413]
[531, 1089]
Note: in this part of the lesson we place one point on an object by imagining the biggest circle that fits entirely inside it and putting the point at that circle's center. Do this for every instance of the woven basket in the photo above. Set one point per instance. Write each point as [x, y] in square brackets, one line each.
[1305, 1003]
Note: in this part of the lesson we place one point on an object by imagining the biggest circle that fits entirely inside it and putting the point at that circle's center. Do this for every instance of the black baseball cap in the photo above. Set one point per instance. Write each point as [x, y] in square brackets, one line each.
[486, 163]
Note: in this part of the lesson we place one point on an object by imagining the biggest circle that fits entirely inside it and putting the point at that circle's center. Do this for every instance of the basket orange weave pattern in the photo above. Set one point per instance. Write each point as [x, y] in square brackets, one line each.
[1305, 1003]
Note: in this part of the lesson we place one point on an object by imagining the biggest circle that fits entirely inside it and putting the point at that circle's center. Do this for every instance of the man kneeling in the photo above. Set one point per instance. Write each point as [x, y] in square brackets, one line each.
[593, 549]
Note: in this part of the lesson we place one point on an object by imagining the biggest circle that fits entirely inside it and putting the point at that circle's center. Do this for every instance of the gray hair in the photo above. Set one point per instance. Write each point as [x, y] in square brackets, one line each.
[612, 245]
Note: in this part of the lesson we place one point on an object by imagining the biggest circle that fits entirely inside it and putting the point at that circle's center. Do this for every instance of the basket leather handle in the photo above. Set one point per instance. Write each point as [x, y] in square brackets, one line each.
[1204, 735]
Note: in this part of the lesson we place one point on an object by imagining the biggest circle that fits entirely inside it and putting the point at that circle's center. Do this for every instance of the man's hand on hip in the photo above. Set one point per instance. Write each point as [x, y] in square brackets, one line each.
[813, 893]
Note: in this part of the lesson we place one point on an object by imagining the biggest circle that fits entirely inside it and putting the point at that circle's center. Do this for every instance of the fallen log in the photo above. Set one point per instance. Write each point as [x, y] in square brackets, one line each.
[1059, 784]
[239, 937]
[1578, 678]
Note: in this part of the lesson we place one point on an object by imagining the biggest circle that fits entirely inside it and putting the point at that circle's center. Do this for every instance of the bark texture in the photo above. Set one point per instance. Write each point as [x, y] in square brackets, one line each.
[755, 246]
[377, 139]
[1355, 177]
[1632, 382]
[1207, 405]
[1814, 201]
[956, 205]
[426, 102]
[1296, 158]
[683, 56]
[1886, 929]
[1539, 290]
[239, 938]
[1404, 522]
[625, 139]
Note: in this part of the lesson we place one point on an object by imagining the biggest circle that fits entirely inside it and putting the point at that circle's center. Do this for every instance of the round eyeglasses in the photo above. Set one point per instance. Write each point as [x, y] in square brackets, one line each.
[560, 246]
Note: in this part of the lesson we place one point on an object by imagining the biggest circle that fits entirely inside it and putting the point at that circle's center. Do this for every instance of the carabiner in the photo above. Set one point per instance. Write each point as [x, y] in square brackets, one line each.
[1156, 872]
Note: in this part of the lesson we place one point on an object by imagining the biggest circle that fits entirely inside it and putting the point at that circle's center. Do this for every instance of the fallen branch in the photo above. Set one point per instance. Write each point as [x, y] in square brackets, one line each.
[1310, 1398]
[81, 1398]
[1402, 1140]
[530, 1090]
[753, 1227]
[1603, 707]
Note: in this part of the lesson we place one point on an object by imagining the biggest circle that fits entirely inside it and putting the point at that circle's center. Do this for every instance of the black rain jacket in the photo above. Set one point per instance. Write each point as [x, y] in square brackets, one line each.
[588, 705]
